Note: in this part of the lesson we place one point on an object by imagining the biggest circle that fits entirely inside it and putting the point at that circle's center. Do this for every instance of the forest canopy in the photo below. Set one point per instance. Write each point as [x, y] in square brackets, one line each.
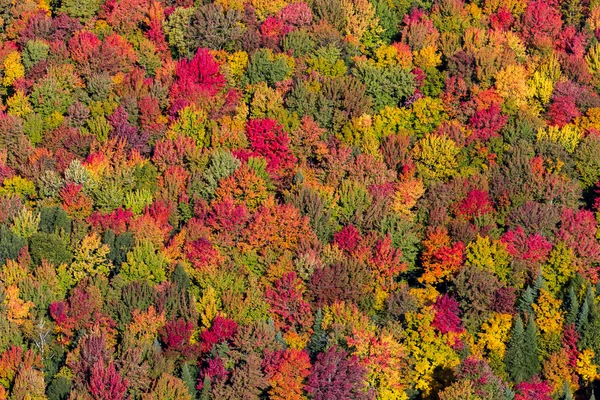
[281, 199]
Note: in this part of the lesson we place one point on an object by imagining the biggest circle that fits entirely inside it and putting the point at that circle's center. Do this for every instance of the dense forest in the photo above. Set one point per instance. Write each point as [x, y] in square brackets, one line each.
[281, 199]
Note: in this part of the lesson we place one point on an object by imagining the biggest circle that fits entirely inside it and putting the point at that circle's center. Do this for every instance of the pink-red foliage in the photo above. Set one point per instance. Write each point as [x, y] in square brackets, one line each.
[267, 139]
[347, 238]
[487, 123]
[533, 390]
[447, 315]
[287, 302]
[197, 79]
[106, 383]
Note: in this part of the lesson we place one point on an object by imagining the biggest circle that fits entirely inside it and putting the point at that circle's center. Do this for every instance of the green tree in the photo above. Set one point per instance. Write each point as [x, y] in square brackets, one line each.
[144, 262]
[10, 244]
[530, 350]
[49, 247]
[514, 357]
[386, 86]
[526, 300]
[572, 307]
[587, 160]
[82, 9]
[264, 66]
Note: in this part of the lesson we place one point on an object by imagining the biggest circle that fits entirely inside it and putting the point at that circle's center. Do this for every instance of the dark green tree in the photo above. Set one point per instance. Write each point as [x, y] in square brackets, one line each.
[572, 307]
[526, 300]
[50, 247]
[264, 66]
[530, 350]
[514, 357]
[59, 388]
[10, 244]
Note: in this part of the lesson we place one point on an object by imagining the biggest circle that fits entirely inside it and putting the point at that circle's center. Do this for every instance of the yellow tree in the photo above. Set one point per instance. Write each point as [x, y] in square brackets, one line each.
[386, 361]
[493, 337]
[429, 349]
[90, 259]
[436, 158]
[586, 367]
[490, 255]
[550, 320]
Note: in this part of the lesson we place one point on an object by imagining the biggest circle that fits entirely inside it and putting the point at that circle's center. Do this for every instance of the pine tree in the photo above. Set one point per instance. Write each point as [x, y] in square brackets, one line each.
[540, 283]
[188, 376]
[530, 350]
[318, 341]
[567, 395]
[514, 356]
[573, 307]
[527, 299]
[588, 325]
[206, 388]
[180, 278]
[583, 317]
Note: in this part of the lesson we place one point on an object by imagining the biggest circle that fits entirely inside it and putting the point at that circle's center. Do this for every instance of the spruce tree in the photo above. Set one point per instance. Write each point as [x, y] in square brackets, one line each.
[567, 395]
[572, 307]
[319, 340]
[188, 376]
[540, 283]
[588, 325]
[526, 300]
[206, 388]
[514, 356]
[530, 350]
[180, 278]
[583, 316]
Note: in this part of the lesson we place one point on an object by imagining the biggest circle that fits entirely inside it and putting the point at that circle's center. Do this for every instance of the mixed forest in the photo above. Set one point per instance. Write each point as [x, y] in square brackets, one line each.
[281, 199]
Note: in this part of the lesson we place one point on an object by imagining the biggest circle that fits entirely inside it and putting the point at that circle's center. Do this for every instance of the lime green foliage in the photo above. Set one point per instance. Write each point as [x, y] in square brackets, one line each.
[436, 157]
[191, 122]
[266, 67]
[326, 60]
[34, 51]
[82, 9]
[26, 223]
[145, 262]
[138, 200]
[490, 255]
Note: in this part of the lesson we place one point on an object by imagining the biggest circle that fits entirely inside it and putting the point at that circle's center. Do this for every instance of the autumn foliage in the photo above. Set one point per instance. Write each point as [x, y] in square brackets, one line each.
[324, 199]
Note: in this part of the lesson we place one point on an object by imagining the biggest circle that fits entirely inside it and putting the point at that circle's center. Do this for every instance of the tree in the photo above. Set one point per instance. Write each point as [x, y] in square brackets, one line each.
[514, 357]
[106, 383]
[287, 370]
[335, 376]
[541, 23]
[215, 28]
[586, 162]
[80, 9]
[264, 66]
[145, 262]
[198, 80]
[435, 157]
[168, 387]
[388, 87]
[49, 247]
[287, 303]
[10, 244]
[268, 140]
